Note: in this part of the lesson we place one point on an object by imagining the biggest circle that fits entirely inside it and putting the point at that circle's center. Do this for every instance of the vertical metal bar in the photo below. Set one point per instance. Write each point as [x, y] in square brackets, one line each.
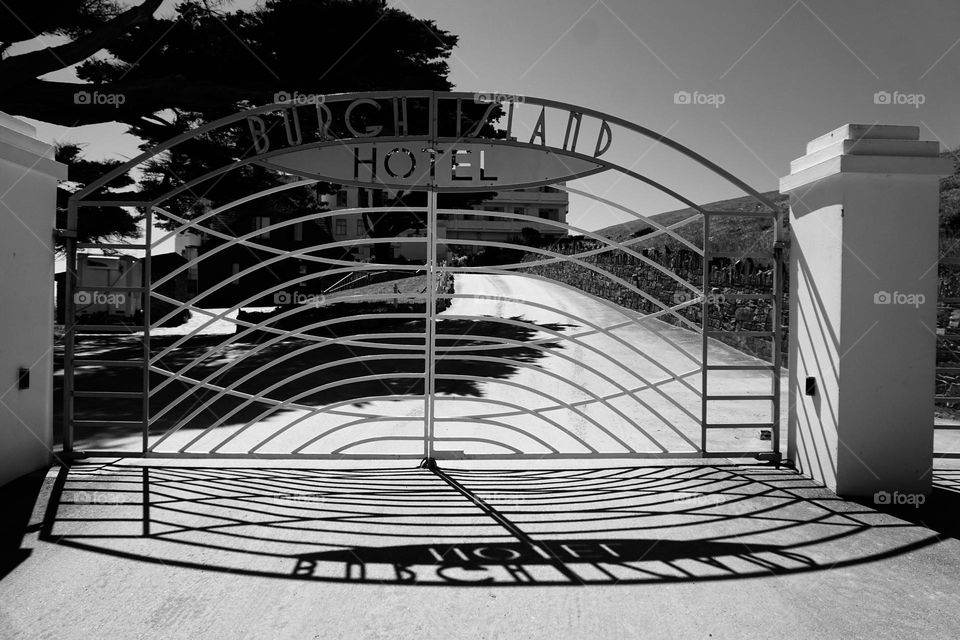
[704, 328]
[777, 327]
[145, 295]
[69, 326]
[430, 351]
[431, 348]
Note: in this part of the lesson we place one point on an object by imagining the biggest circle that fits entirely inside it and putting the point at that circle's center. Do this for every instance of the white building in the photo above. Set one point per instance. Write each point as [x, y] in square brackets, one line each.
[541, 206]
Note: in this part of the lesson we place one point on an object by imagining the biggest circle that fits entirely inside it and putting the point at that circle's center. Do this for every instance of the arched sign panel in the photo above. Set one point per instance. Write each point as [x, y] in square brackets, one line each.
[415, 164]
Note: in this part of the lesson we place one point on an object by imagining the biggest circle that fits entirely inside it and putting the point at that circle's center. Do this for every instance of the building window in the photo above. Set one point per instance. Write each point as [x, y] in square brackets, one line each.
[550, 214]
[261, 222]
[303, 271]
[340, 228]
[362, 199]
[342, 198]
[298, 232]
[193, 271]
[361, 228]
[520, 211]
[236, 270]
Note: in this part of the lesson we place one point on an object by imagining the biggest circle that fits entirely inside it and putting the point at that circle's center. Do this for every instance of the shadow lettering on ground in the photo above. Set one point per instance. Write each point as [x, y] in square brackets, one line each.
[571, 527]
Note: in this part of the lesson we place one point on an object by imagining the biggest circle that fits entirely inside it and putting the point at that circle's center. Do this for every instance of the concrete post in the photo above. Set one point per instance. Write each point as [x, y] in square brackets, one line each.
[863, 292]
[28, 191]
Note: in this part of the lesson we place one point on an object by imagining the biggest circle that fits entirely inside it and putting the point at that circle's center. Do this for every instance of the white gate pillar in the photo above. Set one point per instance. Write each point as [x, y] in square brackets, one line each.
[864, 207]
[28, 203]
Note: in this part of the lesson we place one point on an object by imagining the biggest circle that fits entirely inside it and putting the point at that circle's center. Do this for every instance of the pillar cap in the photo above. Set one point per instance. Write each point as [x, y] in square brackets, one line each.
[867, 149]
[19, 144]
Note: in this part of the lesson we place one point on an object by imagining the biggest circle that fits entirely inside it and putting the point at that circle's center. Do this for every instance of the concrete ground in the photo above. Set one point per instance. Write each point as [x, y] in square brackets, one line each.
[113, 549]
[587, 548]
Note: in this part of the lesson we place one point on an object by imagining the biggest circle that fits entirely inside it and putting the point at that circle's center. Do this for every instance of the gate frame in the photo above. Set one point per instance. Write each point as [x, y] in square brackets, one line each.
[79, 199]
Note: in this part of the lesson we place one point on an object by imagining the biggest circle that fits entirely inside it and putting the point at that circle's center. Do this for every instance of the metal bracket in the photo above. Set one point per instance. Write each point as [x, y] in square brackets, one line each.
[428, 463]
[775, 457]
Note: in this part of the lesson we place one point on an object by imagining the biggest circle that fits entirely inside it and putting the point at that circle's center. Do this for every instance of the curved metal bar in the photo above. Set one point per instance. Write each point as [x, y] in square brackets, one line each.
[530, 389]
[303, 182]
[341, 450]
[583, 365]
[284, 253]
[196, 385]
[298, 352]
[246, 302]
[330, 408]
[612, 245]
[512, 363]
[653, 223]
[557, 257]
[287, 402]
[602, 301]
[252, 374]
[341, 427]
[649, 133]
[521, 411]
[559, 335]
[281, 334]
[610, 166]
[541, 370]
[230, 119]
[594, 371]
[81, 197]
[573, 154]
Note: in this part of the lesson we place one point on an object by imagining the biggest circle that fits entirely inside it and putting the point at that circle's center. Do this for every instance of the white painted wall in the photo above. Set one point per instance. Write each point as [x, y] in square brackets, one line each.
[863, 212]
[28, 180]
[816, 225]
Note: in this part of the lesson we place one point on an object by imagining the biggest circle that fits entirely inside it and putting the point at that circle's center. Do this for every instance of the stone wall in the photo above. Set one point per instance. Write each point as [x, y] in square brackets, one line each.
[727, 277]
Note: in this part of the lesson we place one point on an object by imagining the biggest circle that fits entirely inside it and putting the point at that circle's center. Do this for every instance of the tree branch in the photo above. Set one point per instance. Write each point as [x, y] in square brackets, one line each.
[63, 103]
[17, 70]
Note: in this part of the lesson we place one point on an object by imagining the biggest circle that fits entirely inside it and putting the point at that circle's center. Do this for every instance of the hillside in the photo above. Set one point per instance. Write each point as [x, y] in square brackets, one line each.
[736, 233]
[742, 234]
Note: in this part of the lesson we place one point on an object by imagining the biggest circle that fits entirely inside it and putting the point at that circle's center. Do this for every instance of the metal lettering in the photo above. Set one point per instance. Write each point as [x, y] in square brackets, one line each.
[371, 130]
[603, 146]
[372, 162]
[258, 131]
[540, 130]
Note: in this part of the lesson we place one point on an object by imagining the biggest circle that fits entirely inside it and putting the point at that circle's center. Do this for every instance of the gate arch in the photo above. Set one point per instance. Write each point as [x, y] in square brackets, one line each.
[545, 347]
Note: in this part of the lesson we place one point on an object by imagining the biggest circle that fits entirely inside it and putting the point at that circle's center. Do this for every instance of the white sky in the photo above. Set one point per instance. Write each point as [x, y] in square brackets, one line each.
[788, 71]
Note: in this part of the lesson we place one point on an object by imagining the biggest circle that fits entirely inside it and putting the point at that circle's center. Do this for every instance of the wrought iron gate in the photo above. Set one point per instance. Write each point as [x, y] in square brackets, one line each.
[473, 331]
